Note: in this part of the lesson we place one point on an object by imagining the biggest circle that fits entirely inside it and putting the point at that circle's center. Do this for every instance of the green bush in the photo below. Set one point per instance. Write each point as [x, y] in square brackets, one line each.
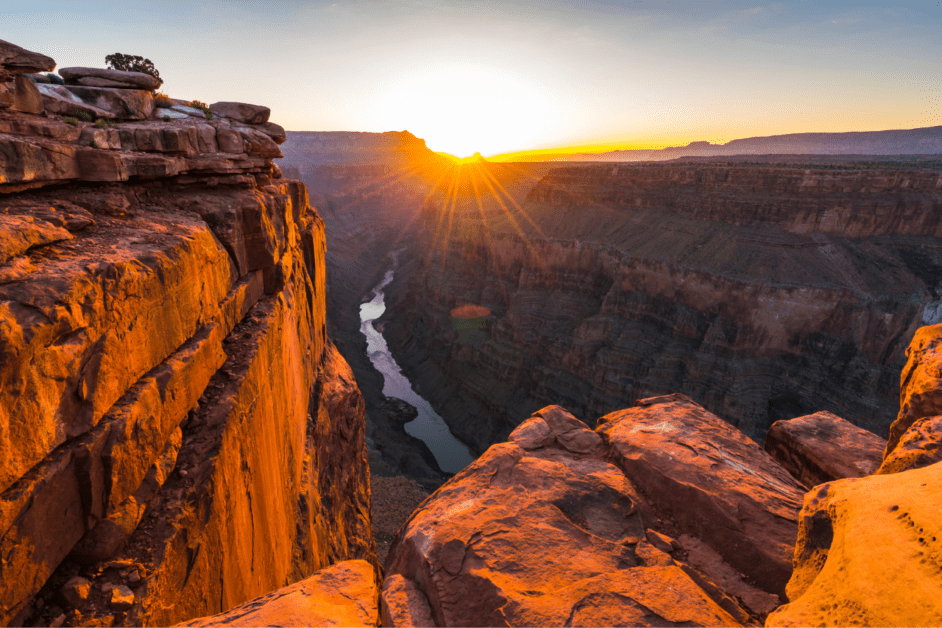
[55, 78]
[71, 120]
[84, 116]
[198, 104]
[162, 100]
[39, 78]
[101, 123]
[132, 63]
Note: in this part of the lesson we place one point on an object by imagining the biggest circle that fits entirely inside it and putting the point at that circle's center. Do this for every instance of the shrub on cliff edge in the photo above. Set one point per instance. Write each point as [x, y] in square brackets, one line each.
[132, 63]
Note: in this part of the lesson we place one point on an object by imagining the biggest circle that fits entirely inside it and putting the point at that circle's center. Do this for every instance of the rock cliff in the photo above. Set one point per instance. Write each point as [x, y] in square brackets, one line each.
[763, 293]
[178, 433]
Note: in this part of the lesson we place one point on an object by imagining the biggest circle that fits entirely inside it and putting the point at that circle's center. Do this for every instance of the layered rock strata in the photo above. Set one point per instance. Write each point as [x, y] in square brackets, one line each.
[178, 433]
[663, 515]
[762, 293]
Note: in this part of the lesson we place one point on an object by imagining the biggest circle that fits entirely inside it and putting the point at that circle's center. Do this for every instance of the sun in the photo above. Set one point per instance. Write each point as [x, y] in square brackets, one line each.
[463, 108]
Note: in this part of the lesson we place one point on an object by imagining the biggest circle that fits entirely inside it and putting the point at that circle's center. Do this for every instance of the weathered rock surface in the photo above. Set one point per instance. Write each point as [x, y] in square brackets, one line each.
[763, 293]
[344, 594]
[171, 410]
[920, 392]
[130, 104]
[553, 527]
[26, 96]
[17, 59]
[869, 553]
[822, 447]
[113, 78]
[717, 484]
[920, 446]
[243, 112]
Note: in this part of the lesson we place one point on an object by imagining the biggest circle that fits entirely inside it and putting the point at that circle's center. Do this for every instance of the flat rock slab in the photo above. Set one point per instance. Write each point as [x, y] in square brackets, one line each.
[869, 553]
[18, 234]
[716, 483]
[138, 80]
[344, 594]
[822, 447]
[920, 446]
[19, 59]
[540, 530]
[130, 104]
[59, 99]
[243, 112]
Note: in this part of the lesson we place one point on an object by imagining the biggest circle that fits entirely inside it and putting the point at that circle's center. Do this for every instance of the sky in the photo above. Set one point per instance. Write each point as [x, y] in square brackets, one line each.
[505, 76]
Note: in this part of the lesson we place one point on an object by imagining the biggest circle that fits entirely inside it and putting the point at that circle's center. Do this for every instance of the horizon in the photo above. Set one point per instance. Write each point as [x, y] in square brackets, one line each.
[525, 77]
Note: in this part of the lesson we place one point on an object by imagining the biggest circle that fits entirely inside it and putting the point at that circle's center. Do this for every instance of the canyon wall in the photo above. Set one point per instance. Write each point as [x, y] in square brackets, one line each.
[763, 293]
[178, 433]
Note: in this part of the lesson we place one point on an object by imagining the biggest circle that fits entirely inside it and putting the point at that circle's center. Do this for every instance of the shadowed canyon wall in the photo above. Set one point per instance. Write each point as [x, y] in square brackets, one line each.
[178, 433]
[763, 293]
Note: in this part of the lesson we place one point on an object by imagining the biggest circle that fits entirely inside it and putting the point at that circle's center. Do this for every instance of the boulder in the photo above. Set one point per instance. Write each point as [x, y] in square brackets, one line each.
[130, 104]
[869, 553]
[274, 131]
[920, 392]
[18, 234]
[716, 483]
[344, 594]
[242, 112]
[26, 96]
[920, 446]
[117, 78]
[19, 59]
[822, 447]
[541, 530]
[7, 94]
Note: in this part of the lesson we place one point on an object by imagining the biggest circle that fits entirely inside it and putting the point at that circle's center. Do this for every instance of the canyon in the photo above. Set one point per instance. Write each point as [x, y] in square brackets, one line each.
[184, 443]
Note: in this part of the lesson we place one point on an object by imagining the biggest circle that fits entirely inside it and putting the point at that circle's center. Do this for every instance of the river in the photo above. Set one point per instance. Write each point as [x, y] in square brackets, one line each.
[451, 454]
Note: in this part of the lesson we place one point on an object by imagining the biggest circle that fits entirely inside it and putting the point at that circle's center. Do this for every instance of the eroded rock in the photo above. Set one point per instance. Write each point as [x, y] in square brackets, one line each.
[344, 594]
[920, 383]
[109, 78]
[19, 59]
[822, 447]
[242, 112]
[920, 446]
[868, 553]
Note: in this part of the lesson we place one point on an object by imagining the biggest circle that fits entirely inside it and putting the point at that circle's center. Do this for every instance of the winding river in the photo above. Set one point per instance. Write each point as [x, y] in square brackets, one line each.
[450, 453]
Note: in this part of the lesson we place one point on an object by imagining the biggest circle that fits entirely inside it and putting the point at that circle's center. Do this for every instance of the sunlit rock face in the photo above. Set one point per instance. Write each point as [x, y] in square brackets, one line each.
[663, 515]
[178, 434]
[764, 293]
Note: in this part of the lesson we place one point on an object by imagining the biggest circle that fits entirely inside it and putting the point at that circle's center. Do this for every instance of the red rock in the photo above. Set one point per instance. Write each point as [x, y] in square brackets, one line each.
[242, 112]
[20, 233]
[128, 104]
[920, 446]
[18, 59]
[59, 99]
[868, 553]
[344, 594]
[120, 78]
[542, 535]
[26, 96]
[920, 383]
[718, 485]
[822, 447]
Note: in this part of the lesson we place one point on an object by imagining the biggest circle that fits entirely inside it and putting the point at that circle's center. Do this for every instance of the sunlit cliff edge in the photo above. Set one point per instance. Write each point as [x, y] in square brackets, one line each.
[181, 439]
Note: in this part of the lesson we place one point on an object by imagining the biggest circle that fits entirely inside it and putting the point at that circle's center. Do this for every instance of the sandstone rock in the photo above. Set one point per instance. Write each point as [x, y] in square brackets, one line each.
[544, 536]
[229, 141]
[76, 591]
[258, 143]
[274, 131]
[188, 111]
[868, 553]
[26, 96]
[661, 541]
[344, 594]
[718, 485]
[7, 94]
[129, 104]
[20, 233]
[920, 446]
[403, 604]
[118, 78]
[822, 447]
[249, 114]
[19, 59]
[59, 99]
[122, 598]
[920, 383]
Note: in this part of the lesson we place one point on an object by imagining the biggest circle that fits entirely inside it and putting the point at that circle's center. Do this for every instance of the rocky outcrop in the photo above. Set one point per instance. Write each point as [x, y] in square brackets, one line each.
[822, 447]
[178, 433]
[868, 554]
[629, 524]
[920, 446]
[344, 594]
[762, 293]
